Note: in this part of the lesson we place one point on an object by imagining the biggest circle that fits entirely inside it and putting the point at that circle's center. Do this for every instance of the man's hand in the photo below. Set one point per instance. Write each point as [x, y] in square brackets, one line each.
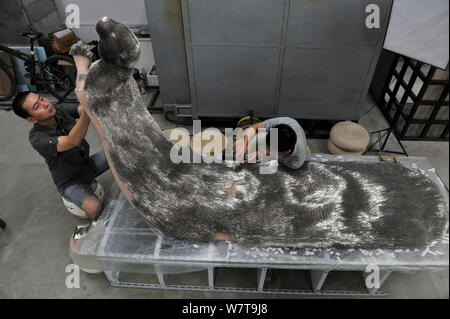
[80, 109]
[81, 96]
[240, 147]
[83, 111]
[252, 158]
[232, 190]
[76, 134]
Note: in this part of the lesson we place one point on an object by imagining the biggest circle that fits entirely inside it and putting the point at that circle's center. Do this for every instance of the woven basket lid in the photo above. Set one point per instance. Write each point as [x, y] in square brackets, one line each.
[350, 137]
[337, 151]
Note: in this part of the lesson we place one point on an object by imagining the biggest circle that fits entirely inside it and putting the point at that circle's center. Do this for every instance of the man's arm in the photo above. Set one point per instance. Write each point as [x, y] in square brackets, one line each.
[76, 134]
[241, 145]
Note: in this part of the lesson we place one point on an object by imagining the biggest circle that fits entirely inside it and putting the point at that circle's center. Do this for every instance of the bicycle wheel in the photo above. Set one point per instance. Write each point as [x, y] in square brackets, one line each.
[7, 85]
[59, 74]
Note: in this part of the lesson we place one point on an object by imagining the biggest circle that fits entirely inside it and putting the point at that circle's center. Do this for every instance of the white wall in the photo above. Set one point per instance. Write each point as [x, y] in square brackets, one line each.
[129, 12]
[146, 59]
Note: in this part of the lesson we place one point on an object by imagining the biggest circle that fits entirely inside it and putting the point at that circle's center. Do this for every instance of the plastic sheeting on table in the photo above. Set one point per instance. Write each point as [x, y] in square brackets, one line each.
[123, 240]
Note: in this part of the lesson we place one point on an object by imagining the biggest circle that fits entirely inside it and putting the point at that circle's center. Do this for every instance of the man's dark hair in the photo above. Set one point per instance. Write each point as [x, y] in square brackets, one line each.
[18, 105]
[286, 138]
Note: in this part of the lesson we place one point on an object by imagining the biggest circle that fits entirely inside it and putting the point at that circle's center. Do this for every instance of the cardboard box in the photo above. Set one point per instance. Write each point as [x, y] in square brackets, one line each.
[62, 40]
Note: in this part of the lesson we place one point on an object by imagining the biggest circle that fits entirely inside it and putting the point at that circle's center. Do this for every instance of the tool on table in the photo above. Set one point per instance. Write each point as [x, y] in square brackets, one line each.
[387, 158]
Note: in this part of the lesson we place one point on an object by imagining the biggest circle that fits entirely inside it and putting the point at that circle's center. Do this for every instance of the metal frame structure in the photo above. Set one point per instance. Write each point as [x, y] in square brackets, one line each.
[401, 114]
[282, 75]
[271, 57]
[317, 276]
[385, 133]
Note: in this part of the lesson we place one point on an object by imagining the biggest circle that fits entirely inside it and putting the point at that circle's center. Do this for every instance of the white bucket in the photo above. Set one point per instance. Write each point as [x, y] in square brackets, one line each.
[77, 211]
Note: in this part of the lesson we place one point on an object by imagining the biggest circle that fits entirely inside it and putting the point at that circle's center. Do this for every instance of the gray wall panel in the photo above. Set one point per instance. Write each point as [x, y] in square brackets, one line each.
[234, 81]
[236, 21]
[301, 58]
[166, 30]
[323, 83]
[334, 22]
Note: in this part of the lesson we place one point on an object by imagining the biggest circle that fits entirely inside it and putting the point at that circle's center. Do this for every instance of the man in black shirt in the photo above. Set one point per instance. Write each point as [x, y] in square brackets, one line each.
[59, 138]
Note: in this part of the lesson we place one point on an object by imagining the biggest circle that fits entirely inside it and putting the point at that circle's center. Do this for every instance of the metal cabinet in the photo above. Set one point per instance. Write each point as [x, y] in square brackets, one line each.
[308, 59]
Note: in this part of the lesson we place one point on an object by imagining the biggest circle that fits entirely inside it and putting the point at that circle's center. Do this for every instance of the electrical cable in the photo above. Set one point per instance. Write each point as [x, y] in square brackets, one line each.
[371, 108]
[365, 113]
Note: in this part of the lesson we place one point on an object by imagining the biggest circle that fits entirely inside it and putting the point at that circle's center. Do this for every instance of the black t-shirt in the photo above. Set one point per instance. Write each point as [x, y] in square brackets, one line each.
[69, 167]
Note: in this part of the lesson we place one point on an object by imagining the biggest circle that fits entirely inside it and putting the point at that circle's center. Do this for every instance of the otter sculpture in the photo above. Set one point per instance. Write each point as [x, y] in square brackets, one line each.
[333, 204]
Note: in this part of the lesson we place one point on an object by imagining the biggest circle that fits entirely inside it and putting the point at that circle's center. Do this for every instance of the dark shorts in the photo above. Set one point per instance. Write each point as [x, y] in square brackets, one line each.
[78, 193]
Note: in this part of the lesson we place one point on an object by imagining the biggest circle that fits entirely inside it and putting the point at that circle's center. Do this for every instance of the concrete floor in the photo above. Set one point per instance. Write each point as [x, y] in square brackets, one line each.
[34, 248]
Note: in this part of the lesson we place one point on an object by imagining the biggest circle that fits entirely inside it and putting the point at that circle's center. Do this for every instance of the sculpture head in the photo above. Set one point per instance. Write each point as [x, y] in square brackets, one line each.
[118, 45]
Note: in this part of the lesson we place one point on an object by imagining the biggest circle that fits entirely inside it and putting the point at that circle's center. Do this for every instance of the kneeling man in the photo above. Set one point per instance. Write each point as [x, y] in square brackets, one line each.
[59, 139]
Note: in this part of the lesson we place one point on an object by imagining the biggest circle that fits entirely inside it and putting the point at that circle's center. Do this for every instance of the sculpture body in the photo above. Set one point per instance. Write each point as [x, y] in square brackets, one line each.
[368, 205]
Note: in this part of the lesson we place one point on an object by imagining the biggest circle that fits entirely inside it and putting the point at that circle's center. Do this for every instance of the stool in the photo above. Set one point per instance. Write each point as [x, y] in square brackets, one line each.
[77, 211]
[348, 138]
[337, 151]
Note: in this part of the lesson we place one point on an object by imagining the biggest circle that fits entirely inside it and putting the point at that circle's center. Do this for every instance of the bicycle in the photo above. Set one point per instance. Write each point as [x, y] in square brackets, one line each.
[57, 73]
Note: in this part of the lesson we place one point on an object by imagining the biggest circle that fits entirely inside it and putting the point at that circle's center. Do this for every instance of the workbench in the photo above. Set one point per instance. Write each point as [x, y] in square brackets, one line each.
[133, 254]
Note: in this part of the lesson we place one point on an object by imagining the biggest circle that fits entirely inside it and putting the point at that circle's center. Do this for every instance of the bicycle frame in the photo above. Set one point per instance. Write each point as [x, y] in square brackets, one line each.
[30, 61]
[40, 73]
[18, 54]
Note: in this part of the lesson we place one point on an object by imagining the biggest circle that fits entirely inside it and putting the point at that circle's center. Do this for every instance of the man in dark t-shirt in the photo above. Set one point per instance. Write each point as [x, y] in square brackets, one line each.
[59, 139]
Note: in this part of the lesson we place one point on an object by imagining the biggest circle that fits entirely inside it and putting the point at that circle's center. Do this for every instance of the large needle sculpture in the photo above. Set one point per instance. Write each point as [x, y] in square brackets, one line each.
[333, 204]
